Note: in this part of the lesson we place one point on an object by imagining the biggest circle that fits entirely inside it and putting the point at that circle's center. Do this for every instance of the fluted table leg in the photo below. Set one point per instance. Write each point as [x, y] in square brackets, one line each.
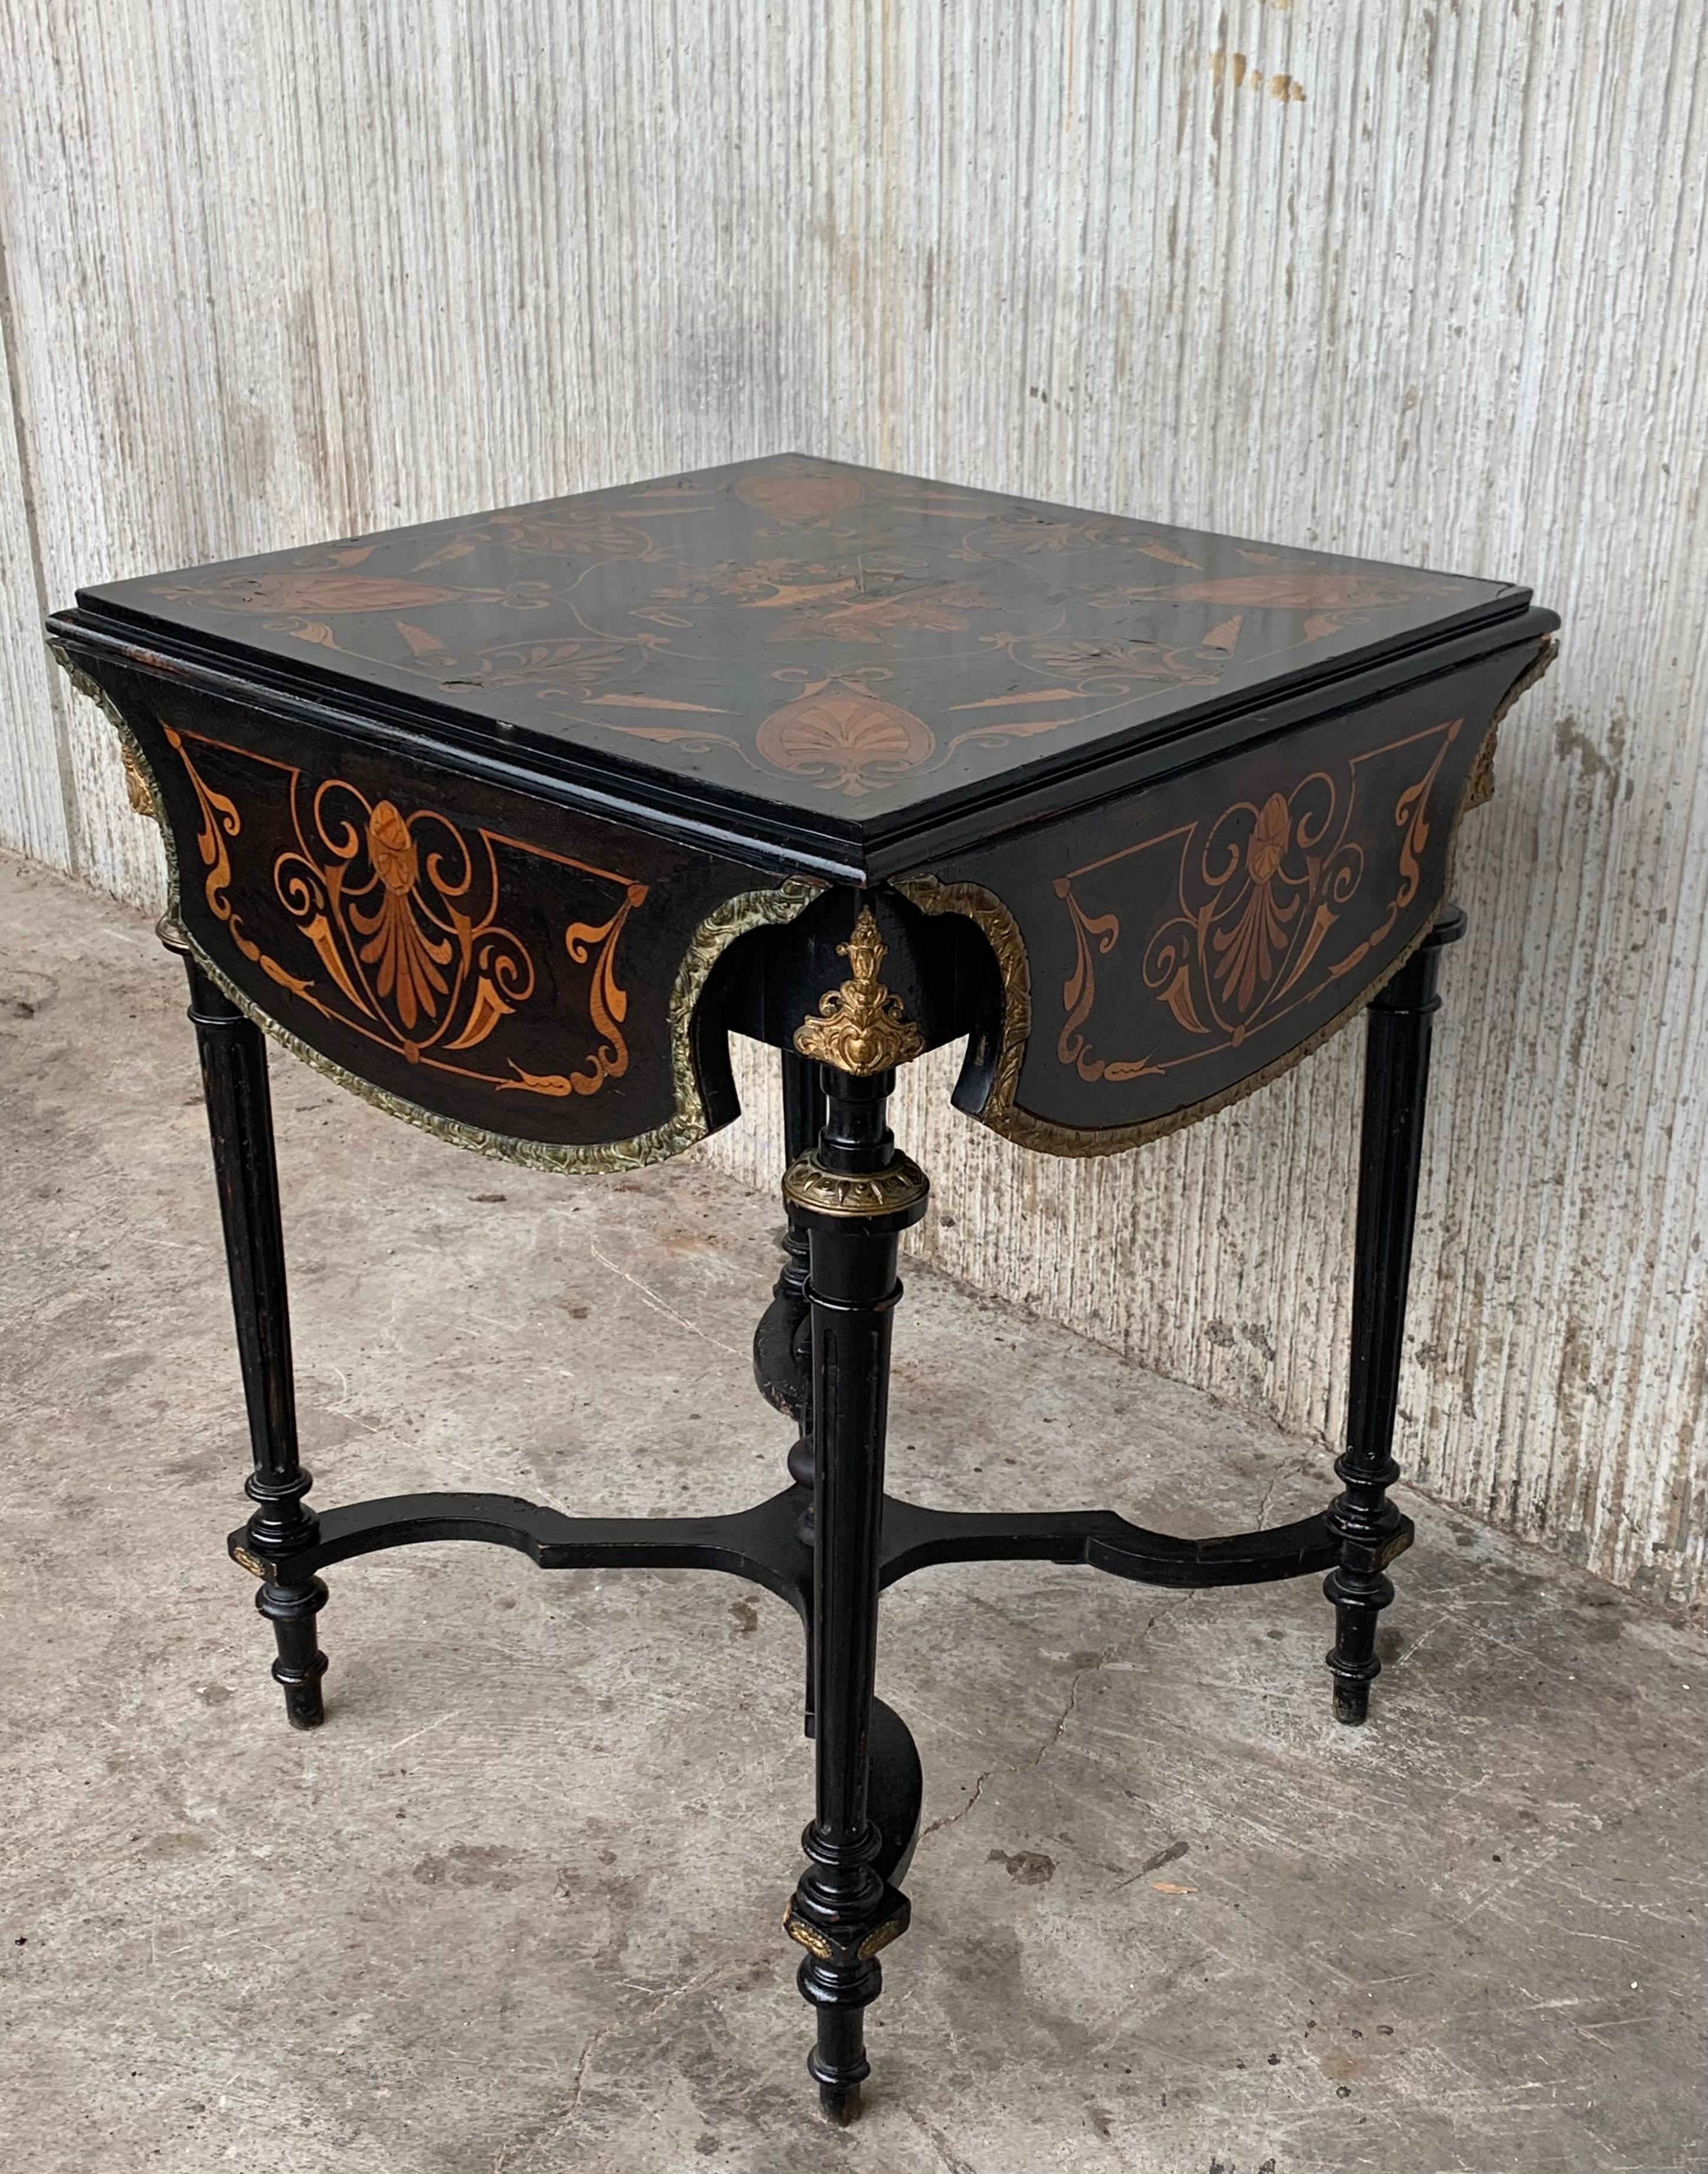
[240, 1124]
[854, 1196]
[1366, 1524]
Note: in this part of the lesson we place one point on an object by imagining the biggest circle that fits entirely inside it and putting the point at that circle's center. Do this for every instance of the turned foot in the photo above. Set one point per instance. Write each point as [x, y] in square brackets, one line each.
[240, 1125]
[291, 1609]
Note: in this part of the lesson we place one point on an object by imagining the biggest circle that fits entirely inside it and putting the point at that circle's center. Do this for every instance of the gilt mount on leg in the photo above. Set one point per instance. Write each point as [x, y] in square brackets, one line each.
[861, 1028]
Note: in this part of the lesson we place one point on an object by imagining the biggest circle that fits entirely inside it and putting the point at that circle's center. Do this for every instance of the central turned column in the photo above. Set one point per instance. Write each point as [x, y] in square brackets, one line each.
[853, 1195]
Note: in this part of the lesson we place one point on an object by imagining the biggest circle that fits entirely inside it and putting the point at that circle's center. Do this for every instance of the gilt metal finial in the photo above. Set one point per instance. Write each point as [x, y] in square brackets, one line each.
[861, 1027]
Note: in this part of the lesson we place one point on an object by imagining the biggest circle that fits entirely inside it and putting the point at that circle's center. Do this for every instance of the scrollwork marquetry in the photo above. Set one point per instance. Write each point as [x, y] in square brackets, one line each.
[1044, 1137]
[1233, 957]
[734, 917]
[402, 913]
[861, 1028]
[1007, 1119]
[1259, 895]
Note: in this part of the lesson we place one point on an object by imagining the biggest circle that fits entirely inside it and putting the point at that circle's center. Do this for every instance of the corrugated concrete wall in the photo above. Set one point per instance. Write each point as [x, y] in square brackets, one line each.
[1422, 282]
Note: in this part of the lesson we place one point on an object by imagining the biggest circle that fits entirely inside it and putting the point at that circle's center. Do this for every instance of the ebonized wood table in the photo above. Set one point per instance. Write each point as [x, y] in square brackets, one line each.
[506, 823]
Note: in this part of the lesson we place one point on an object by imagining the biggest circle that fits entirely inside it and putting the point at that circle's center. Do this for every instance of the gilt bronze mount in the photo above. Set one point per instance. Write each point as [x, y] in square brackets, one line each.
[861, 1027]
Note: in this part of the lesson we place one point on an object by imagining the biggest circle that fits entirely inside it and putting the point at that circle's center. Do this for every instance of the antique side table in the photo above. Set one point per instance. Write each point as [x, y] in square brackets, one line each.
[507, 823]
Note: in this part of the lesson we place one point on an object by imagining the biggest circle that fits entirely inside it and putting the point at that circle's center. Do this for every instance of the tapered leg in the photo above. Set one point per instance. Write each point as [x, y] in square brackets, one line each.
[854, 1195]
[239, 1123]
[1368, 1526]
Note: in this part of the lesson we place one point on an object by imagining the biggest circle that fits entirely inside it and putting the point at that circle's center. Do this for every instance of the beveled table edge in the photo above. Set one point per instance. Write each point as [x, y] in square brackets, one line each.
[844, 850]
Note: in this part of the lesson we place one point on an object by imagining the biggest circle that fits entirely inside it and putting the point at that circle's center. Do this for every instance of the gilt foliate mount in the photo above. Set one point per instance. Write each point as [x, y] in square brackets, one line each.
[861, 1027]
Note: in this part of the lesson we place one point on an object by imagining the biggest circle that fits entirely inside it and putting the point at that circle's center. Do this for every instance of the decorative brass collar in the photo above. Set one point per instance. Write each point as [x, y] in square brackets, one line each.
[820, 1943]
[901, 1185]
[861, 1027]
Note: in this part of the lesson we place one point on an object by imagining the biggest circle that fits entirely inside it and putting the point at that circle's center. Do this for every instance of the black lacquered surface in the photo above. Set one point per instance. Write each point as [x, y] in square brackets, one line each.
[510, 823]
[826, 641]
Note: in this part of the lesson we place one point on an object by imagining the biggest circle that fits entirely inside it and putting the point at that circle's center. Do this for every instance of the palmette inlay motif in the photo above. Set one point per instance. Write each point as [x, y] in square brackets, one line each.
[825, 635]
[1212, 929]
[847, 738]
[1260, 892]
[205, 844]
[402, 913]
[861, 1027]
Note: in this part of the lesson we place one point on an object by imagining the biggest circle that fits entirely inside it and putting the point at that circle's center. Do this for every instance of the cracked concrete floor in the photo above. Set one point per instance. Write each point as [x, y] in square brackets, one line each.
[516, 1908]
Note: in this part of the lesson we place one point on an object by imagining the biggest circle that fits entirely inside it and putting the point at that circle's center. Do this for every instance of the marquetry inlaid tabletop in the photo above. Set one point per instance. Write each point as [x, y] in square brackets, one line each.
[819, 637]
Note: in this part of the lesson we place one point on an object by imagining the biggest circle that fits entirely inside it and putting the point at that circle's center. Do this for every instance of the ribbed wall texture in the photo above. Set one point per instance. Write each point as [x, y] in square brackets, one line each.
[1422, 282]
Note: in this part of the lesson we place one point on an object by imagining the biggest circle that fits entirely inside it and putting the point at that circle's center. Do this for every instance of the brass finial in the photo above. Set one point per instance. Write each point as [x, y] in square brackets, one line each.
[861, 1027]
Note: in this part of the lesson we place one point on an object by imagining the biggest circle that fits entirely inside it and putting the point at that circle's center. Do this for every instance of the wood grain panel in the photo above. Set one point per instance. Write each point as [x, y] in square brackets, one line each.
[1423, 285]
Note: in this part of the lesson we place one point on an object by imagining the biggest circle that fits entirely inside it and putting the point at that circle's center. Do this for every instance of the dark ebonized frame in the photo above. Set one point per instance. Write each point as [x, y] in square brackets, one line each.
[829, 1542]
[832, 1539]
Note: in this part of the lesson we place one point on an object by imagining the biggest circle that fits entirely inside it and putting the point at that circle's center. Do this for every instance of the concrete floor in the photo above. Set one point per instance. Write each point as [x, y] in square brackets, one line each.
[516, 1908]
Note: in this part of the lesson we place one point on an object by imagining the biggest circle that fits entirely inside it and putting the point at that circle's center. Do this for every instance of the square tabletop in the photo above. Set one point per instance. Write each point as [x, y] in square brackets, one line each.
[837, 646]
